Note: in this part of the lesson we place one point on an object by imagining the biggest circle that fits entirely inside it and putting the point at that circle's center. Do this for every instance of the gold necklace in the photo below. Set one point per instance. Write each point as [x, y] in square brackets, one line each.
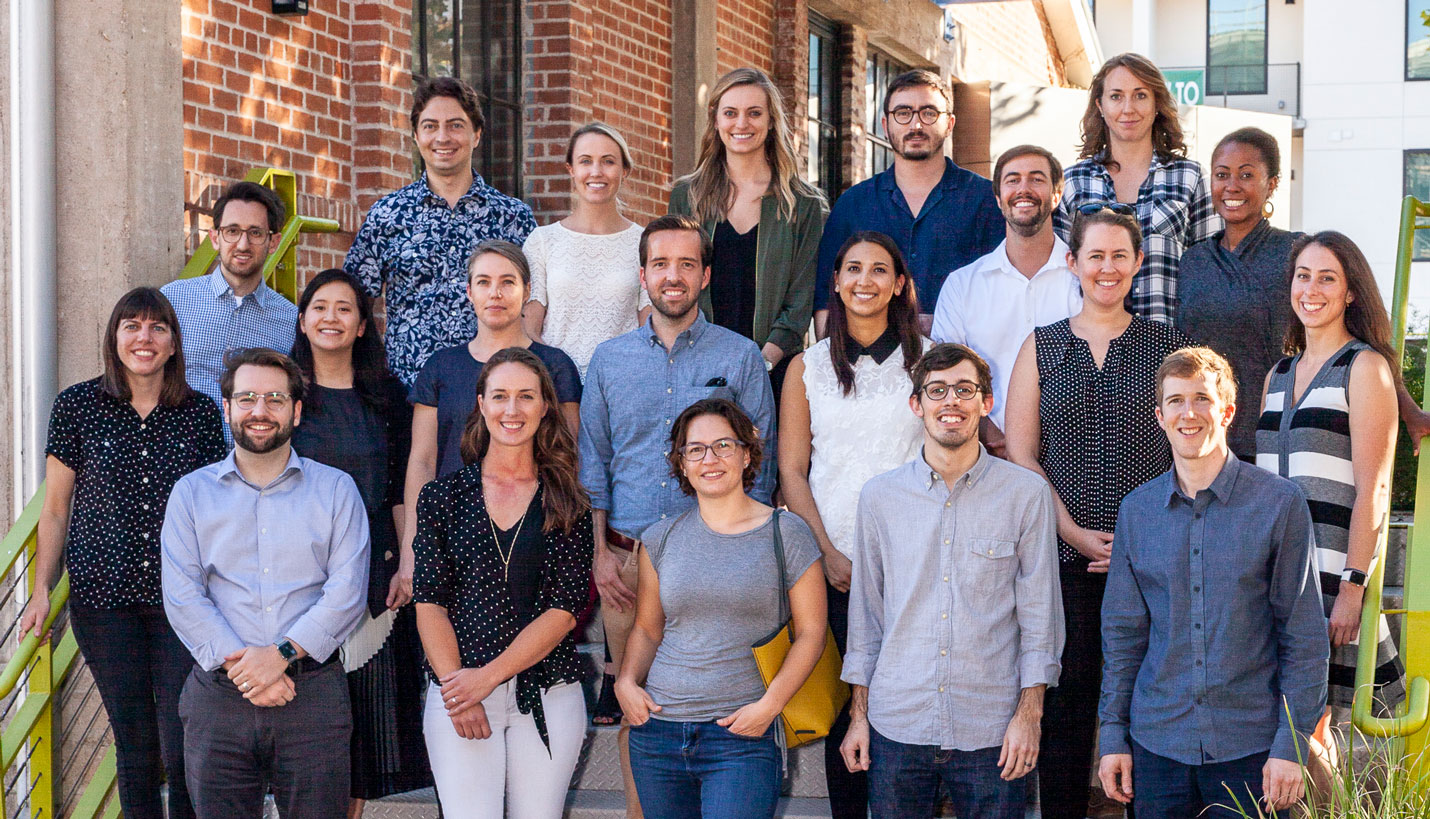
[506, 556]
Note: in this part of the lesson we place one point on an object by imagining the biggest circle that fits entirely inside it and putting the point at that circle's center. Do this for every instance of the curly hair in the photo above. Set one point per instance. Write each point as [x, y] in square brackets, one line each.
[745, 433]
[1167, 139]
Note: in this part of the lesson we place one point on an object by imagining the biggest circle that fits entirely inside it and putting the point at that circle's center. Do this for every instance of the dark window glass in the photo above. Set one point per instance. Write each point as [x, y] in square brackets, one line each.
[1417, 184]
[881, 69]
[1236, 47]
[479, 41]
[1417, 39]
[822, 128]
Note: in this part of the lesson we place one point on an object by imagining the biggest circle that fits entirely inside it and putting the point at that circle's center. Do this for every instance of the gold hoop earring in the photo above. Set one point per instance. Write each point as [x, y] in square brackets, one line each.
[1267, 209]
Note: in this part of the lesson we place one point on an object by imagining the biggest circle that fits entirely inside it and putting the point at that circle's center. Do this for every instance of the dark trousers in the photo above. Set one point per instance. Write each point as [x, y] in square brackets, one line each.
[1070, 712]
[139, 666]
[848, 792]
[904, 782]
[1167, 789]
[235, 750]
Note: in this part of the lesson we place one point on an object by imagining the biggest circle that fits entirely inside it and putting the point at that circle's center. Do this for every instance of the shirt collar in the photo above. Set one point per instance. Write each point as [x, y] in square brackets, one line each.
[229, 466]
[220, 287]
[1221, 486]
[1248, 242]
[883, 347]
[929, 476]
[998, 260]
[886, 181]
[691, 334]
[478, 188]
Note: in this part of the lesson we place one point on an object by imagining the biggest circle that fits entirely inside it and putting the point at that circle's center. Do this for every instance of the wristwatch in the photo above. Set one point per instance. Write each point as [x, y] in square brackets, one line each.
[285, 648]
[1355, 577]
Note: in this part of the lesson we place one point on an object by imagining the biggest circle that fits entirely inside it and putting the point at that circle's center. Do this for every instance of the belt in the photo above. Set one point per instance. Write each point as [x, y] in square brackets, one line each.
[616, 540]
[307, 665]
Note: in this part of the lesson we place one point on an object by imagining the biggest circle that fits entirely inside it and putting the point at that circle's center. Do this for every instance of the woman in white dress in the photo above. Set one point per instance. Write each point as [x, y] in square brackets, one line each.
[844, 418]
[585, 269]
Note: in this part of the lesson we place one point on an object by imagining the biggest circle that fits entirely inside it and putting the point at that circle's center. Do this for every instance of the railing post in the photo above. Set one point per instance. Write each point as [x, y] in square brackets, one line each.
[44, 762]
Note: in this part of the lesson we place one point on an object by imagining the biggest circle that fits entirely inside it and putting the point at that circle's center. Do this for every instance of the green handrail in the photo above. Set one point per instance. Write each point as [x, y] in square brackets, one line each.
[1413, 715]
[281, 269]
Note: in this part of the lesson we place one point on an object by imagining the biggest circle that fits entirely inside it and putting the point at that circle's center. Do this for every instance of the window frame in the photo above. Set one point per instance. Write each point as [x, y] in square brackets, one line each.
[1406, 191]
[1265, 56]
[1426, 35]
[829, 176]
[877, 142]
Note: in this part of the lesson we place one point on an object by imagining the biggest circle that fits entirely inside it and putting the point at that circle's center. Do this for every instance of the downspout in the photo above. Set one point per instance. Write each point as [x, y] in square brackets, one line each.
[33, 315]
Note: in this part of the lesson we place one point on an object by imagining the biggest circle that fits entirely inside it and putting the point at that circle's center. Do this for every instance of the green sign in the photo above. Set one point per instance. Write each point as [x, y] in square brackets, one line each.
[1187, 84]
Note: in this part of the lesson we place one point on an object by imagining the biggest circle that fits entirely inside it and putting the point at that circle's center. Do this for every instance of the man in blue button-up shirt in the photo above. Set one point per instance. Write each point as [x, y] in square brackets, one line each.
[941, 216]
[636, 386]
[1215, 648]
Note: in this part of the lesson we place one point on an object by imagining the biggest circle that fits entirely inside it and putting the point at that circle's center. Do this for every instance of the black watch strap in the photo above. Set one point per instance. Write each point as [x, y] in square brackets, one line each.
[285, 647]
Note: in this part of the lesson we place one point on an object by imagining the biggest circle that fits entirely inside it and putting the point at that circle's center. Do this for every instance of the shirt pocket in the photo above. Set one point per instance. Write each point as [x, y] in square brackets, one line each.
[685, 396]
[993, 559]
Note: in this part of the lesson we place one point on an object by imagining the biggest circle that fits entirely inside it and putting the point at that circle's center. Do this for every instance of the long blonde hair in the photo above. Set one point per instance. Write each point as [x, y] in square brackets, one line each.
[710, 187]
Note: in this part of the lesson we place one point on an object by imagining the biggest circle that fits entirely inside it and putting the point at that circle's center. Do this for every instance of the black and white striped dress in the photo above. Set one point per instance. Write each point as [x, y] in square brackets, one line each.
[1309, 442]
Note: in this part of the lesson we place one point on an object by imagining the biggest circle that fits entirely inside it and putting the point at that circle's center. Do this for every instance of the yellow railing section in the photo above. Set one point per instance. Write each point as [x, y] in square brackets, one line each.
[281, 269]
[32, 734]
[1410, 720]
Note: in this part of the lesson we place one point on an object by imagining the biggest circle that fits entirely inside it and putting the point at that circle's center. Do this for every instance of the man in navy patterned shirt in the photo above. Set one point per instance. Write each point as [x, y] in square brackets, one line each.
[417, 241]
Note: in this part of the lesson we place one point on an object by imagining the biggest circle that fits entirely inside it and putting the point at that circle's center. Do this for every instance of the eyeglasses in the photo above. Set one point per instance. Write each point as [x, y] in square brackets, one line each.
[232, 233]
[928, 114]
[937, 390]
[1098, 207]
[273, 400]
[724, 448]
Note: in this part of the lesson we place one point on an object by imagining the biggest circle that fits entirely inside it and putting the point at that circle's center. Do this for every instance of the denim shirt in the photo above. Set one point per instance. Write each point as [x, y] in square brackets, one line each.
[634, 391]
[1212, 625]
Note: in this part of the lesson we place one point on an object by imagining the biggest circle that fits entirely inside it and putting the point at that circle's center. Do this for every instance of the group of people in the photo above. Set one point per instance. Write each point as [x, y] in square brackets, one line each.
[1031, 408]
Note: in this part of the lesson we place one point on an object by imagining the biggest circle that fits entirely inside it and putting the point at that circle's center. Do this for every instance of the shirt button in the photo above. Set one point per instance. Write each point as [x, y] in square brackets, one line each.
[945, 615]
[663, 483]
[670, 361]
[990, 551]
[1197, 516]
[947, 504]
[667, 422]
[945, 578]
[1199, 662]
[662, 517]
[668, 390]
[1196, 551]
[940, 689]
[265, 571]
[943, 653]
[946, 541]
[263, 531]
[268, 608]
[1199, 700]
[1196, 588]
[1197, 626]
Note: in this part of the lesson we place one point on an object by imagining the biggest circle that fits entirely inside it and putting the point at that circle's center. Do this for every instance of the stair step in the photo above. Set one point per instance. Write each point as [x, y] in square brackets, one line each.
[583, 804]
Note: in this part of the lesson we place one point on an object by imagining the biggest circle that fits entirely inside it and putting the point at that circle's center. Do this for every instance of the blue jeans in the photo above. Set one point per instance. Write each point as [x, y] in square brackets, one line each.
[1167, 789]
[904, 780]
[690, 769]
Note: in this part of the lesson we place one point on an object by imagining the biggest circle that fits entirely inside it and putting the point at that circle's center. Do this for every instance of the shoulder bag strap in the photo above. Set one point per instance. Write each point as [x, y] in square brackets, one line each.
[780, 562]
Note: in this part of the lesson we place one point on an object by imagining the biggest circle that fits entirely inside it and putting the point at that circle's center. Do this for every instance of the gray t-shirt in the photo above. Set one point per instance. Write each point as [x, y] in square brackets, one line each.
[719, 593]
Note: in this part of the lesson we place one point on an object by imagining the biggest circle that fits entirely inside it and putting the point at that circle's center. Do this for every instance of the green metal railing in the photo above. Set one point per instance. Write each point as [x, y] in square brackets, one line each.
[281, 269]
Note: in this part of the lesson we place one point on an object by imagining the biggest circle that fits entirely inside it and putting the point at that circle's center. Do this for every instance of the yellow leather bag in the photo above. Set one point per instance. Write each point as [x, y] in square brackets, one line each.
[810, 713]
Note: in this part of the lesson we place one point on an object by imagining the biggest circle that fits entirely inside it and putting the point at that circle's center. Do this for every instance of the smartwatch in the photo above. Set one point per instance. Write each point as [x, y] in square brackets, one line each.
[285, 648]
[1355, 577]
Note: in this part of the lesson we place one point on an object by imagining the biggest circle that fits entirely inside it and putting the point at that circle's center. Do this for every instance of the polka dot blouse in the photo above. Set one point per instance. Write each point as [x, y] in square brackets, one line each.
[125, 467]
[458, 567]
[1100, 438]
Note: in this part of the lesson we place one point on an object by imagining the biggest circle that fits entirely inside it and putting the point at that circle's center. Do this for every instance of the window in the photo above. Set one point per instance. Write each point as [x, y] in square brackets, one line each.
[1236, 47]
[1417, 39]
[881, 69]
[479, 41]
[1417, 184]
[822, 169]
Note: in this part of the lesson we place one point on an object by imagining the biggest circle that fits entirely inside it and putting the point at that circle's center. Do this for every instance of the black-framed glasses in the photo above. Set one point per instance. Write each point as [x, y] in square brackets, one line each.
[724, 448]
[277, 401]
[1098, 207]
[232, 233]
[937, 390]
[928, 114]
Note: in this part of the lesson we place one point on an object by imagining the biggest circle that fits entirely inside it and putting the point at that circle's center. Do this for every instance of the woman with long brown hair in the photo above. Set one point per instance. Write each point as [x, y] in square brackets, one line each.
[1133, 152]
[764, 219]
[503, 567]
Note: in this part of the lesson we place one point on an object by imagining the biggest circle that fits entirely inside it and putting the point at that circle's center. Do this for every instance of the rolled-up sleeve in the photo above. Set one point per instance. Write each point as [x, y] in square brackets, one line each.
[201, 627]
[1125, 624]
[1303, 645]
[1040, 597]
[866, 598]
[594, 437]
[340, 607]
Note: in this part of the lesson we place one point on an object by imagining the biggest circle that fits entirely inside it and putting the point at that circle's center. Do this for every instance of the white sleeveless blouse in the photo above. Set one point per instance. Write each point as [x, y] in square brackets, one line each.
[855, 437]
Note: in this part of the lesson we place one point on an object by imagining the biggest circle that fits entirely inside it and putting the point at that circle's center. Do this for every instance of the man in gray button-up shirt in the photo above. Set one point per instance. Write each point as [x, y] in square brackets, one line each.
[955, 613]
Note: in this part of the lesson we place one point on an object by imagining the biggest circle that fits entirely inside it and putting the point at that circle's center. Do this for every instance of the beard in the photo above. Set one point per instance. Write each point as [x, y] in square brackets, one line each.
[953, 439]
[243, 440]
[1032, 226]
[671, 311]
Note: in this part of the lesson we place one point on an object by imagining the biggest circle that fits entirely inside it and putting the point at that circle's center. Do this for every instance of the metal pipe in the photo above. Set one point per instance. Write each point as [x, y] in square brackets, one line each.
[34, 359]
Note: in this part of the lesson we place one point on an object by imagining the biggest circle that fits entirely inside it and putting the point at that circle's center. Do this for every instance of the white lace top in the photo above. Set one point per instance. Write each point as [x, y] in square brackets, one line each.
[589, 284]
[858, 436]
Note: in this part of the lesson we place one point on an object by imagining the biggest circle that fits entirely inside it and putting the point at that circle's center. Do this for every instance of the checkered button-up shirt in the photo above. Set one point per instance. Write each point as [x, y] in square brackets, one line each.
[1174, 207]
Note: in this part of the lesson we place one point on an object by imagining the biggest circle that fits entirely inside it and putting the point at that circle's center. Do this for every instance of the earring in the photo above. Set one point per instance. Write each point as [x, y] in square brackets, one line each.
[1267, 209]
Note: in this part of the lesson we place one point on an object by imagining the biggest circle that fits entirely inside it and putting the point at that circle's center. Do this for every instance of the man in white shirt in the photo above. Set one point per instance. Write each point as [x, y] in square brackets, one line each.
[993, 304]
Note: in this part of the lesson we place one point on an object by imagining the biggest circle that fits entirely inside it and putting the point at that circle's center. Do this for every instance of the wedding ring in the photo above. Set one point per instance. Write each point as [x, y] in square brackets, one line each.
[246, 686]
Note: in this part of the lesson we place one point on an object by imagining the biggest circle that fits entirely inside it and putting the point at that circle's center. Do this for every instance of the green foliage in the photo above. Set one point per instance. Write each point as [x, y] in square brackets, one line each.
[1402, 481]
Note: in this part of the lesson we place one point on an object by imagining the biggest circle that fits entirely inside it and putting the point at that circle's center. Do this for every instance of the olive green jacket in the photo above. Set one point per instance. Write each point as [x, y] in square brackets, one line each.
[785, 257]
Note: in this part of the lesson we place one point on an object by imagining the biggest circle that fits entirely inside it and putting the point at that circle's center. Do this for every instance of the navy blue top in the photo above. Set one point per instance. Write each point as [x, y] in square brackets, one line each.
[1212, 616]
[448, 381]
[959, 223]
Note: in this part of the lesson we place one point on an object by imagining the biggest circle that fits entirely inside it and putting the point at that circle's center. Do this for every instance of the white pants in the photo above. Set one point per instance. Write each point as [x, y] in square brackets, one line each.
[510, 770]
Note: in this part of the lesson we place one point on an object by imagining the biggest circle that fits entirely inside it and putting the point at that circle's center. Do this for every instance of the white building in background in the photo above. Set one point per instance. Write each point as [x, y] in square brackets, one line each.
[1353, 76]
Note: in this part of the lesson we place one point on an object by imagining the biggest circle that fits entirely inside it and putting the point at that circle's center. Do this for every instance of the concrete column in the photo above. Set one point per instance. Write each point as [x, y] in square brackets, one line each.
[1144, 27]
[693, 74]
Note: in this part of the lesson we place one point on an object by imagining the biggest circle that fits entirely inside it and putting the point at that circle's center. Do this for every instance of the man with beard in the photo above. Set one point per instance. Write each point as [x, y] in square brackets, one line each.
[231, 307]
[994, 303]
[955, 616]
[636, 385]
[265, 560]
[941, 216]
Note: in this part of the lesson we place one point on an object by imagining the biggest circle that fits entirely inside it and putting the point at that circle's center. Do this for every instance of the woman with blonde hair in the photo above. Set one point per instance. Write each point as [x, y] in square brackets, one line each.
[1133, 153]
[764, 219]
[585, 269]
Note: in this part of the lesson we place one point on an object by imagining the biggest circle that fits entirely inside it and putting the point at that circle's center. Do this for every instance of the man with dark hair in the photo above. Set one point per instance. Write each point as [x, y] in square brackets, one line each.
[265, 561]
[942, 216]
[994, 303]
[955, 617]
[1215, 646]
[417, 241]
[232, 307]
[637, 385]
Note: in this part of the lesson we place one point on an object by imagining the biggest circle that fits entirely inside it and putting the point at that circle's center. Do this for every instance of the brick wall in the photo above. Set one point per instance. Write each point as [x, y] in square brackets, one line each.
[1009, 41]
[791, 68]
[853, 57]
[744, 33]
